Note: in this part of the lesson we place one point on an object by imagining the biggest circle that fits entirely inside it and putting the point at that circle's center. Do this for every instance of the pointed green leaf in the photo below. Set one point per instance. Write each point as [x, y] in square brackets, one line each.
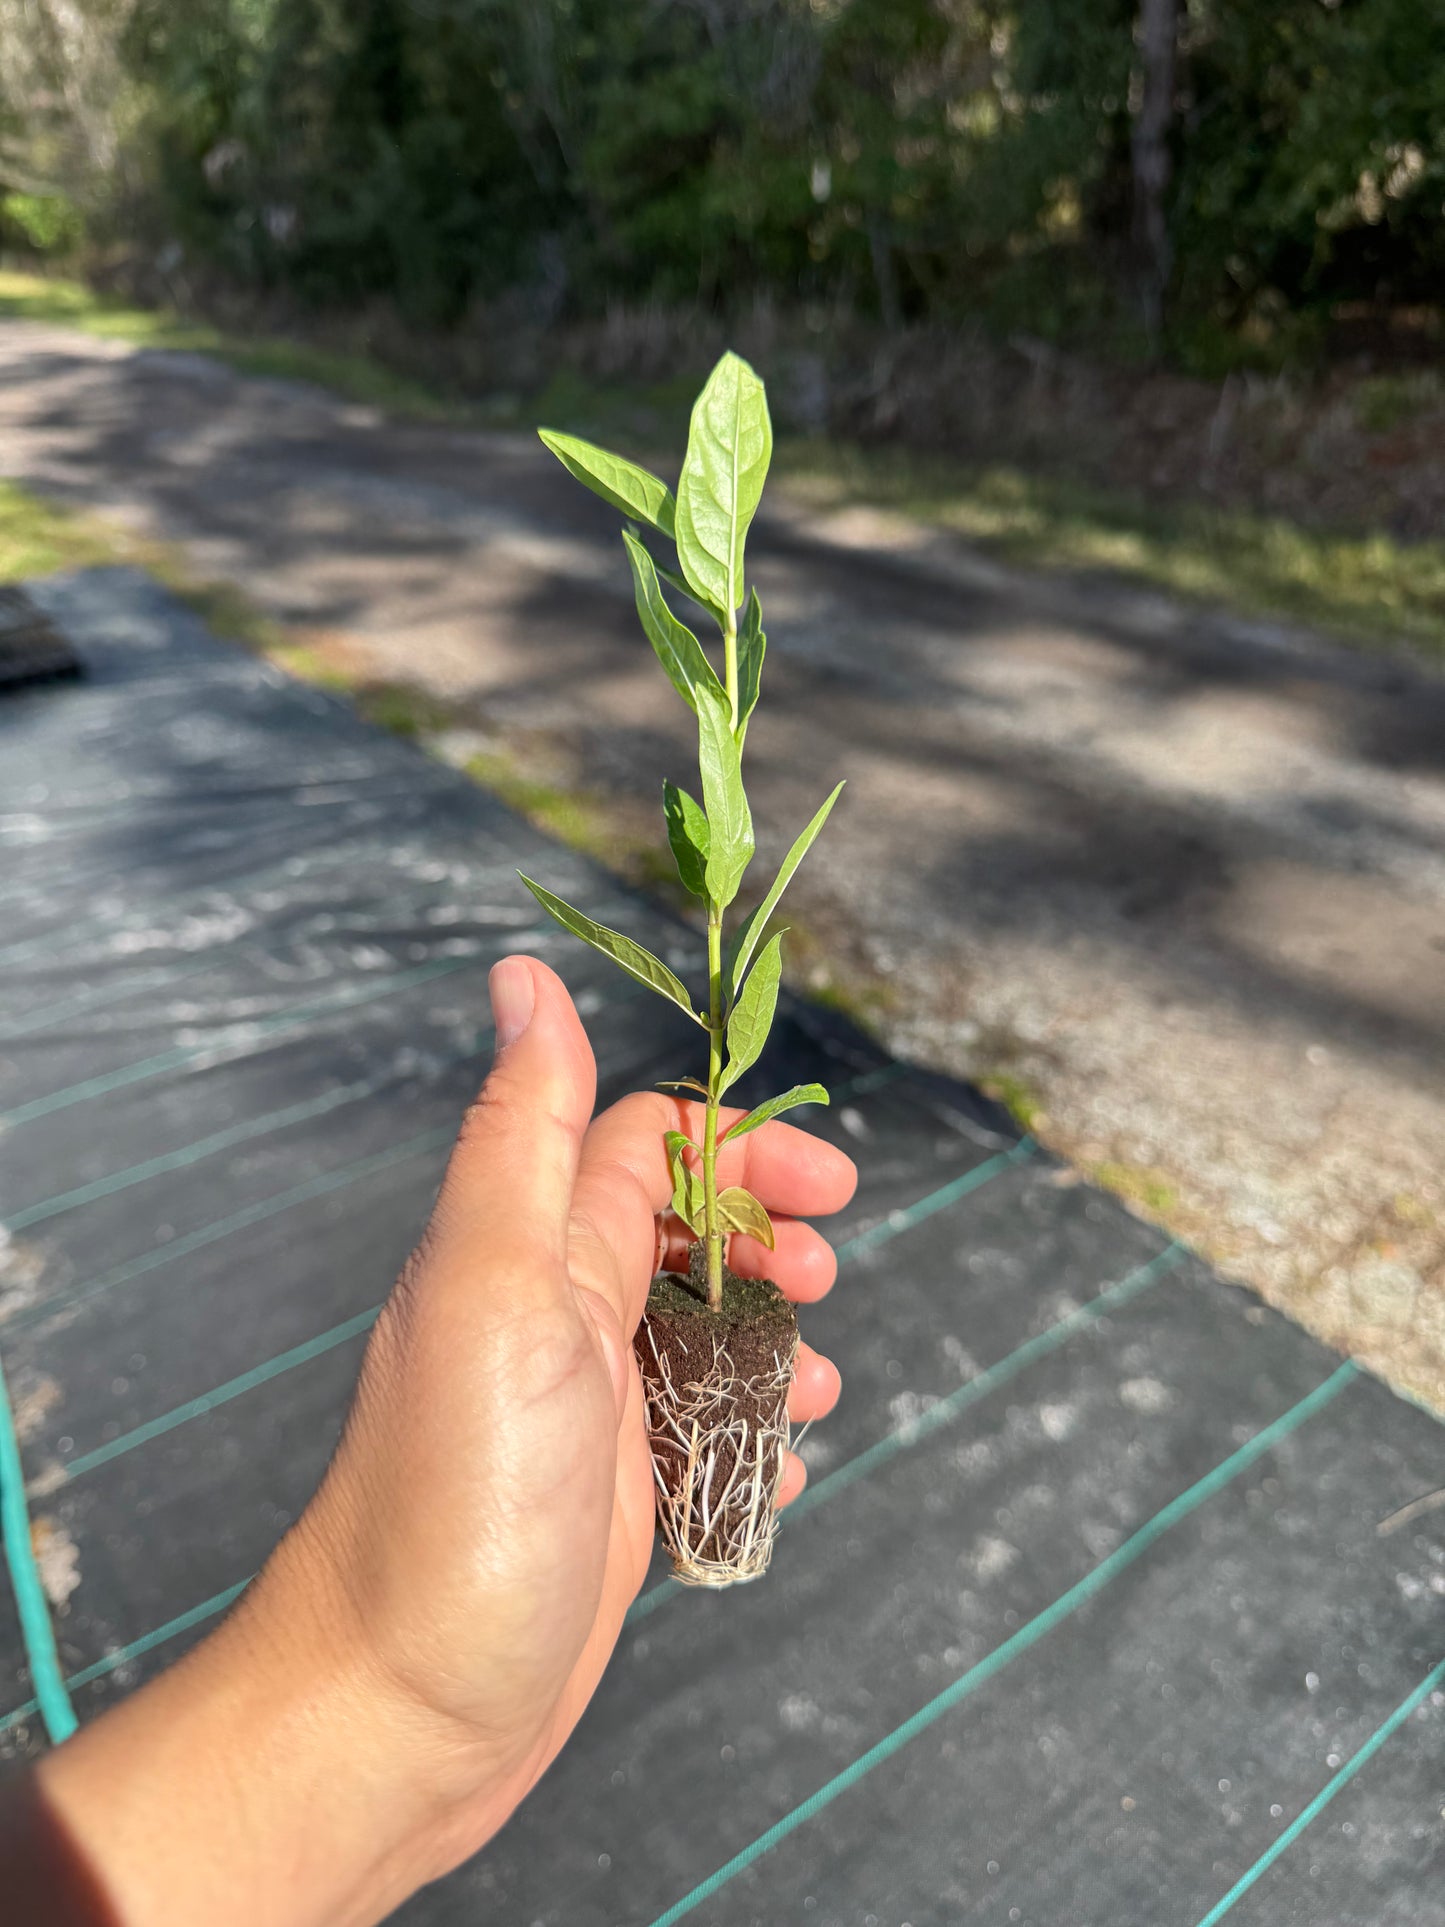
[688, 1197]
[746, 940]
[687, 832]
[620, 482]
[752, 647]
[677, 648]
[741, 1211]
[636, 961]
[775, 1106]
[684, 587]
[730, 822]
[752, 1016]
[729, 446]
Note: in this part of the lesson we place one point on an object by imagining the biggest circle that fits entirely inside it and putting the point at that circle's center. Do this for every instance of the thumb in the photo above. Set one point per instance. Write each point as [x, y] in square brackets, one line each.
[508, 1184]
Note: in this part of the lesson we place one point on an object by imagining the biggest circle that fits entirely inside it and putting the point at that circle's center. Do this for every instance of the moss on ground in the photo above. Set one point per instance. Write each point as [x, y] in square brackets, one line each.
[1024, 1104]
[1146, 1189]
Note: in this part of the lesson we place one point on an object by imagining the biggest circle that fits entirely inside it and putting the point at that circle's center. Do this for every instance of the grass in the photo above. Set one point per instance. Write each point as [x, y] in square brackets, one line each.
[1147, 1190]
[29, 297]
[36, 538]
[1023, 1102]
[1364, 588]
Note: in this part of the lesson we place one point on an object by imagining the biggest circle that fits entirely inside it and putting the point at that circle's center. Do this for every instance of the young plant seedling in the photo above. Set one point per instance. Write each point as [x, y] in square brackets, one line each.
[716, 1351]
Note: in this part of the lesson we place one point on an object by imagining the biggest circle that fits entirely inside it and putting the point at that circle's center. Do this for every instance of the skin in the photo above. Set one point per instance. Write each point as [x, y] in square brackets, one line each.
[426, 1636]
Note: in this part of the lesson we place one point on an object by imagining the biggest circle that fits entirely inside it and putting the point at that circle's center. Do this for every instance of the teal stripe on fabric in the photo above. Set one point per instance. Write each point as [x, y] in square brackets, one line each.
[113, 992]
[209, 1234]
[182, 1623]
[222, 1394]
[30, 1603]
[245, 1035]
[260, 1374]
[248, 1129]
[205, 1147]
[1028, 1635]
[947, 1409]
[939, 1200]
[1326, 1793]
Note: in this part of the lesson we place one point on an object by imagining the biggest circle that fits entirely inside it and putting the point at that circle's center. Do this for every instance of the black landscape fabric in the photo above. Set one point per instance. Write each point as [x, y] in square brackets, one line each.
[1085, 1620]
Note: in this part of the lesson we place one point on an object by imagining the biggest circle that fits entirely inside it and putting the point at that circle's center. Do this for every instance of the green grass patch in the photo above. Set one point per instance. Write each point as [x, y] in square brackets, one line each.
[1149, 1191]
[30, 297]
[1386, 402]
[39, 538]
[1365, 589]
[1019, 1098]
[1361, 588]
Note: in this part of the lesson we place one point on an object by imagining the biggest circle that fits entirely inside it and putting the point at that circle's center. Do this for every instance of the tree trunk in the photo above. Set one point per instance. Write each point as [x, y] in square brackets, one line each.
[1157, 40]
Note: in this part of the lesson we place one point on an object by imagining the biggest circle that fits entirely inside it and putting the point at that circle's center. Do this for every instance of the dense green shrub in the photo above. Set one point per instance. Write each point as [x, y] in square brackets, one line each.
[906, 158]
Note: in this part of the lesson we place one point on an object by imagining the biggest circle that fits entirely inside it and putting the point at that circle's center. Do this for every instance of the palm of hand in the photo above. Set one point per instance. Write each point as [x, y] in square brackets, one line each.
[491, 1503]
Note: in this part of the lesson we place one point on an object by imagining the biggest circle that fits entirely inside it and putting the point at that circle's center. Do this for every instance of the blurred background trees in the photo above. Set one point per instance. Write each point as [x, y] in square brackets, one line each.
[1211, 178]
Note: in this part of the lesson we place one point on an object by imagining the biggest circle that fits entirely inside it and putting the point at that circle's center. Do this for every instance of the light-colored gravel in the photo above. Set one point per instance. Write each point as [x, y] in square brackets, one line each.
[1176, 880]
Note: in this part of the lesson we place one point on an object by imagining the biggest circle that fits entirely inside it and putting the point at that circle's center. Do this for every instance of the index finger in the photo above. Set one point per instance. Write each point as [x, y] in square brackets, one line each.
[786, 1169]
[623, 1181]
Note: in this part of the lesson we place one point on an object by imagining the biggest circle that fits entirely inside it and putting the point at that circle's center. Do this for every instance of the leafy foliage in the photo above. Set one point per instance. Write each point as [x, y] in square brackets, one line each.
[729, 447]
[712, 841]
[913, 158]
[689, 836]
[673, 643]
[637, 962]
[620, 482]
[774, 1107]
[753, 1013]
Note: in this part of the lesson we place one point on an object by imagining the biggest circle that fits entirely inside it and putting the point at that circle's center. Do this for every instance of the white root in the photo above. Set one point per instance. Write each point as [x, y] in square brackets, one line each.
[718, 1469]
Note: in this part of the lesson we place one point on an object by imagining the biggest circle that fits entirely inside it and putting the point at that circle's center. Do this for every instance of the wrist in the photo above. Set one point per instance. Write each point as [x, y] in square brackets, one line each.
[276, 1774]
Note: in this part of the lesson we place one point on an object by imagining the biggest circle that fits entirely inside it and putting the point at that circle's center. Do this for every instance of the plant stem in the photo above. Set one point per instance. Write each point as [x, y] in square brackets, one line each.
[713, 1239]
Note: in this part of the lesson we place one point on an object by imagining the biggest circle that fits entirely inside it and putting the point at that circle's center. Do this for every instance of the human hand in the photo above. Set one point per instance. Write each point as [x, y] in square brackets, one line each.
[427, 1635]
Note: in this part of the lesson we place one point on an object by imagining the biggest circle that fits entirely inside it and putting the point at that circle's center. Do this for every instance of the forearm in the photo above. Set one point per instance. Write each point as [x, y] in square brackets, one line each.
[270, 1777]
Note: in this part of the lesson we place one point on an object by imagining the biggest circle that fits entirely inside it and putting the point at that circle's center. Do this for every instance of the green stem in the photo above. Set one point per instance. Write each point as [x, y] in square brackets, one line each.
[713, 1239]
[730, 662]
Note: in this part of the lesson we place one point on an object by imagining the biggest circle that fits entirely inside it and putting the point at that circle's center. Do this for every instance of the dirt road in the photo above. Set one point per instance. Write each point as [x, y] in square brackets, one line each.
[1181, 879]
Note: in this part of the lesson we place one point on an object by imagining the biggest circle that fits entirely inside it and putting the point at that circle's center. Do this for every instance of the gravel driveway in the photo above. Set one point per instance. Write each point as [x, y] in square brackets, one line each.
[1177, 880]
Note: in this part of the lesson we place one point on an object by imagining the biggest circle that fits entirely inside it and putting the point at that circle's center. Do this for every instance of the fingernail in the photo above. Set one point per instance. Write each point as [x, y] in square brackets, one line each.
[513, 996]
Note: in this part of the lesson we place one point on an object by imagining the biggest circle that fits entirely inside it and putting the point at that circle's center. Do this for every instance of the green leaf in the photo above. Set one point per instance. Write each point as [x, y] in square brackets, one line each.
[688, 1197]
[729, 445]
[730, 822]
[775, 1106]
[677, 648]
[740, 1211]
[746, 940]
[688, 833]
[684, 587]
[636, 961]
[752, 647]
[622, 483]
[752, 1015]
